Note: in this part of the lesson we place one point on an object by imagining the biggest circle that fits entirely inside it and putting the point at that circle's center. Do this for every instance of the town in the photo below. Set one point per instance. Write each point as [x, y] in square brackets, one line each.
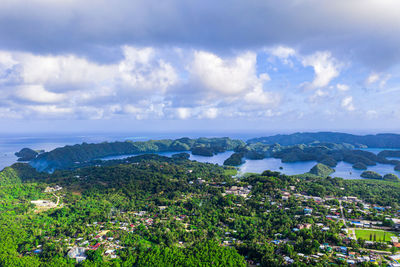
[364, 232]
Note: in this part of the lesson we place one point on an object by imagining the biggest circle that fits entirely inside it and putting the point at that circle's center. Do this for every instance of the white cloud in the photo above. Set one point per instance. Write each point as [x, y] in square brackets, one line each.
[62, 71]
[325, 68]
[283, 53]
[6, 61]
[318, 95]
[50, 110]
[342, 87]
[141, 70]
[372, 78]
[229, 77]
[258, 96]
[232, 79]
[183, 113]
[347, 103]
[209, 113]
[74, 83]
[36, 93]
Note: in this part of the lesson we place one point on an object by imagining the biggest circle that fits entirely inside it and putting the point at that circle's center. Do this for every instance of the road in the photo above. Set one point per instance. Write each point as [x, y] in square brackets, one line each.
[58, 199]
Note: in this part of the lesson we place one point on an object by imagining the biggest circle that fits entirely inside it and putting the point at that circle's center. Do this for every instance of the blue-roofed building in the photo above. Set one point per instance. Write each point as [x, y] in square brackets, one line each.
[307, 211]
[379, 208]
[342, 249]
[357, 224]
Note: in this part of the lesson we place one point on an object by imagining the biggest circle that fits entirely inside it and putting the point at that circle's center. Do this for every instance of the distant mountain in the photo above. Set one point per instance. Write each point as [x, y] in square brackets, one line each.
[372, 141]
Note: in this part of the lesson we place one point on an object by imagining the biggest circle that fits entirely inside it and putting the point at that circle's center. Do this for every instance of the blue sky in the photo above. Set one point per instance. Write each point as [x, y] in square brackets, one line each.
[173, 66]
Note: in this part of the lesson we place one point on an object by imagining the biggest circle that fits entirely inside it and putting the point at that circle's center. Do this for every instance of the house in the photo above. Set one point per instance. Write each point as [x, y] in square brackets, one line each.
[77, 253]
[396, 223]
[37, 251]
[95, 247]
[200, 181]
[110, 251]
[357, 224]
[307, 211]
[353, 199]
[288, 260]
[304, 225]
[342, 249]
[379, 208]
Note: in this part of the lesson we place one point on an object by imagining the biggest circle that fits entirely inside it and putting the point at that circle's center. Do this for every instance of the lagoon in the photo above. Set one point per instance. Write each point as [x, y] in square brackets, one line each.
[343, 169]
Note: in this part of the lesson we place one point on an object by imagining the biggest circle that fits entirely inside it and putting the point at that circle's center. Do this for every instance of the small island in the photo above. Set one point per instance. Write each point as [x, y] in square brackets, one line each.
[26, 154]
[371, 175]
[321, 170]
[397, 168]
[391, 177]
[359, 166]
[234, 160]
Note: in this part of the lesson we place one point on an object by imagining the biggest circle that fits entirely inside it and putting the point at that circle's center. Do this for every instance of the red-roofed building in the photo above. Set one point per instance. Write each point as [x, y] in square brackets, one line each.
[95, 247]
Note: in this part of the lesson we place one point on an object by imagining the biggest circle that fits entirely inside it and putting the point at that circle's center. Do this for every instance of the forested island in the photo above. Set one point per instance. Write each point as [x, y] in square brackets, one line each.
[378, 140]
[78, 155]
[326, 148]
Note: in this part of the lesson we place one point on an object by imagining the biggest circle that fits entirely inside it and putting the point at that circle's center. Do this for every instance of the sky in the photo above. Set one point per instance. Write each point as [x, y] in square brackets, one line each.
[170, 66]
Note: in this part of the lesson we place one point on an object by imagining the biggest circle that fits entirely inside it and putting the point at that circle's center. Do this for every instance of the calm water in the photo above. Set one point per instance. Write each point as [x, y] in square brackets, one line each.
[9, 145]
[216, 159]
[343, 169]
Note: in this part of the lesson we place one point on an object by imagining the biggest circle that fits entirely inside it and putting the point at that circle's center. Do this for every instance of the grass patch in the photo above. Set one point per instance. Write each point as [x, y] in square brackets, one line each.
[351, 231]
[374, 235]
[230, 171]
[247, 174]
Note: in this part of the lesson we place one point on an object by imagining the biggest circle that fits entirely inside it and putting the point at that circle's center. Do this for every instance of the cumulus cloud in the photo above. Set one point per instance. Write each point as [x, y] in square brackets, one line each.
[36, 93]
[75, 85]
[183, 113]
[233, 78]
[325, 68]
[137, 71]
[209, 113]
[229, 77]
[283, 53]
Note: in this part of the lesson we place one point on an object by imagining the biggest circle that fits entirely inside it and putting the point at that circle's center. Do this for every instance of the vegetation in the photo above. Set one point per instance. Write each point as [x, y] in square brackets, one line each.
[360, 166]
[378, 140]
[151, 210]
[79, 155]
[371, 175]
[374, 235]
[234, 160]
[397, 168]
[391, 177]
[26, 154]
[321, 170]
